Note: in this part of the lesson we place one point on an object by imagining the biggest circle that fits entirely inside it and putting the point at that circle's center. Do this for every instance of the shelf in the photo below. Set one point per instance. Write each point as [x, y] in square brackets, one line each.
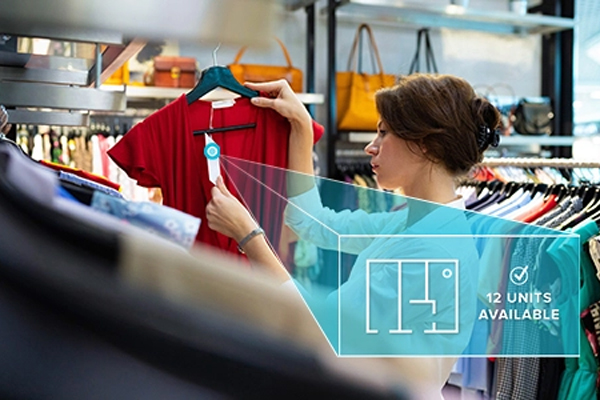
[25, 94]
[108, 21]
[451, 16]
[361, 137]
[293, 5]
[57, 76]
[537, 140]
[146, 92]
[64, 118]
[165, 93]
[366, 137]
[311, 98]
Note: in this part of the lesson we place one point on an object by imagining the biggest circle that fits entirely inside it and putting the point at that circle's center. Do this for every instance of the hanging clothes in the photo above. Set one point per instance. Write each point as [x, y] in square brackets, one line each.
[162, 151]
[579, 379]
[526, 377]
[84, 174]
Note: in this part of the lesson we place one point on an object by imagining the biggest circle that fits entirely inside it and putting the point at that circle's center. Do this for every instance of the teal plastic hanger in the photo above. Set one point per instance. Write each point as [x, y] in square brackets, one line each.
[214, 77]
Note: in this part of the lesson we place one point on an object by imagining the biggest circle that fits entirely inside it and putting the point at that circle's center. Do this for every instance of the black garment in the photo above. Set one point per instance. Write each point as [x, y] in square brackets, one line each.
[496, 197]
[551, 370]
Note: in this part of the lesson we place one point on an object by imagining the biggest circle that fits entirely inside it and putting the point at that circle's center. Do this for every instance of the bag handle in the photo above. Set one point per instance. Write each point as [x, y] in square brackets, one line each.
[415, 66]
[360, 53]
[353, 59]
[285, 53]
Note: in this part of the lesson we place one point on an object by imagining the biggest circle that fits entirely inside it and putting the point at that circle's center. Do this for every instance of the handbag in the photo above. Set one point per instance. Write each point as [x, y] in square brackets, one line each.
[178, 72]
[415, 66]
[533, 117]
[356, 108]
[265, 73]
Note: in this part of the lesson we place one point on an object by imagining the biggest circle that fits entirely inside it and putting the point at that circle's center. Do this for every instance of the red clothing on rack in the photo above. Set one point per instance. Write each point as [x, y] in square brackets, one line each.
[548, 205]
[83, 174]
[162, 151]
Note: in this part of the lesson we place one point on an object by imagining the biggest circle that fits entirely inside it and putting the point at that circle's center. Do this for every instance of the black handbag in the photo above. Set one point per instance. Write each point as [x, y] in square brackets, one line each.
[415, 66]
[533, 117]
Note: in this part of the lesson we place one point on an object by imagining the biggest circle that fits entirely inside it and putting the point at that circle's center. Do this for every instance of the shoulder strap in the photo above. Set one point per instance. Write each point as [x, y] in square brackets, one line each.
[353, 59]
[431, 65]
[286, 54]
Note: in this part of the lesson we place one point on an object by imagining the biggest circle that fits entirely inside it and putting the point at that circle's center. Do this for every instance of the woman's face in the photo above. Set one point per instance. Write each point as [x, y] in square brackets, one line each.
[395, 164]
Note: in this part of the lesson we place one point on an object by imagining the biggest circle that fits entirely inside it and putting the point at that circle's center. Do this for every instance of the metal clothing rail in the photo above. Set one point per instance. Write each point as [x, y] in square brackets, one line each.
[538, 162]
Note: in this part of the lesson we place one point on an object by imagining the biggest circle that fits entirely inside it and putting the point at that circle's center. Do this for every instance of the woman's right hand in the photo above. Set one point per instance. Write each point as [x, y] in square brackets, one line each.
[283, 100]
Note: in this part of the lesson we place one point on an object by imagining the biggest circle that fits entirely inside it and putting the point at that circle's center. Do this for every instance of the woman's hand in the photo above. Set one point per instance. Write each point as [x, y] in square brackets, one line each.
[226, 215]
[283, 100]
[287, 104]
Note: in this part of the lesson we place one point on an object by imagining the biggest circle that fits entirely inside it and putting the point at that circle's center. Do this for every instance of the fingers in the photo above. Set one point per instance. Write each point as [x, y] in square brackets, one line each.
[222, 187]
[263, 102]
[215, 192]
[270, 87]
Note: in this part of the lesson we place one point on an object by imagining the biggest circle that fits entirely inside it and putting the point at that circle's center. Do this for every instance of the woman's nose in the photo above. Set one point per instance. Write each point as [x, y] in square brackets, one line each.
[371, 148]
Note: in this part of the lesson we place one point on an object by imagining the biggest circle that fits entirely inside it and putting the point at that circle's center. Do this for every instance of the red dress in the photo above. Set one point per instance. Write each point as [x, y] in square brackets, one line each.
[162, 151]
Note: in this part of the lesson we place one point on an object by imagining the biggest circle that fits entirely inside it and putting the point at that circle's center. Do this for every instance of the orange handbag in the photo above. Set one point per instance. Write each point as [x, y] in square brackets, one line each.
[265, 73]
[356, 109]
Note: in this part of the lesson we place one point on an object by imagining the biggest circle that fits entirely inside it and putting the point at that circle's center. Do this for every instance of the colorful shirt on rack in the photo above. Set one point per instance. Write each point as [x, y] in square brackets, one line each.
[579, 379]
[594, 245]
[83, 174]
[69, 177]
[162, 151]
[173, 225]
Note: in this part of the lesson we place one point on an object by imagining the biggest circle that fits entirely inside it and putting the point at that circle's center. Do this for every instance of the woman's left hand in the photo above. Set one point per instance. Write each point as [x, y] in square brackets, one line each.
[225, 214]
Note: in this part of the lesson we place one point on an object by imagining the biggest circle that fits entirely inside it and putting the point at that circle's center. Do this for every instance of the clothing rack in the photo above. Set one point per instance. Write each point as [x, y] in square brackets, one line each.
[538, 162]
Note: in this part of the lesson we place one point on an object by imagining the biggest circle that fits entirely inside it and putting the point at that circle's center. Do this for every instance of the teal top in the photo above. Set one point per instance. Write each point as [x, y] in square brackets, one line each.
[579, 378]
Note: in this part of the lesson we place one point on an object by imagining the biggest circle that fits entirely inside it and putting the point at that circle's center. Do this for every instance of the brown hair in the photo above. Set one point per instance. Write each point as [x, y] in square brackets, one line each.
[443, 114]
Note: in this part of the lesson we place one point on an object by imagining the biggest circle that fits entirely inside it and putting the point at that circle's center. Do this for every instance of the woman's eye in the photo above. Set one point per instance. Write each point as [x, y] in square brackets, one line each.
[382, 132]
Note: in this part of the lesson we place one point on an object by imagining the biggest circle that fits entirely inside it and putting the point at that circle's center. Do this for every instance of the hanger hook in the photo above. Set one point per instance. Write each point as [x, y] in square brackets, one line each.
[214, 54]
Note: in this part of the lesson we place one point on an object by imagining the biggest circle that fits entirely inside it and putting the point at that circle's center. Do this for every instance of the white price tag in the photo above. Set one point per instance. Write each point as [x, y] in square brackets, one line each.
[212, 152]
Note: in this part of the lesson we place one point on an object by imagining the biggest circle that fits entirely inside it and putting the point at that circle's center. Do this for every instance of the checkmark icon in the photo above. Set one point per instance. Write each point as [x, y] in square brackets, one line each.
[519, 276]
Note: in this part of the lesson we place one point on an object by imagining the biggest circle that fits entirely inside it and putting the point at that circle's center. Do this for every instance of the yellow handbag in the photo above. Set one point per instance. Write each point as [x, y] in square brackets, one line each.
[265, 73]
[356, 109]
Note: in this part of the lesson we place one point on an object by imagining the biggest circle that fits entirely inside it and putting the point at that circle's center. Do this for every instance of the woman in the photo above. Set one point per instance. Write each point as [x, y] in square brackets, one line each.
[433, 128]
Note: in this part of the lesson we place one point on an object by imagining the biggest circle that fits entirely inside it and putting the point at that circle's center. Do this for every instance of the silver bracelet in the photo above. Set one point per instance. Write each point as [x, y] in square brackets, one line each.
[256, 232]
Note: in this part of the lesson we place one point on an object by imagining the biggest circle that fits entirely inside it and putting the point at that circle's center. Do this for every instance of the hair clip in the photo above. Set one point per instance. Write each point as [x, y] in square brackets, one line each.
[486, 137]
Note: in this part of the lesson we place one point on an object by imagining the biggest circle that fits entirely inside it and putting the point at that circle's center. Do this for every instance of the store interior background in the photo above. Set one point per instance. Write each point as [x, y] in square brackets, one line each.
[497, 65]
[488, 61]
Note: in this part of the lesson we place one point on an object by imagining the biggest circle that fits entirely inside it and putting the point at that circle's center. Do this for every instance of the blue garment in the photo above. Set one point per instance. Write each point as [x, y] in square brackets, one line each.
[167, 222]
[69, 177]
[520, 202]
[62, 192]
[495, 197]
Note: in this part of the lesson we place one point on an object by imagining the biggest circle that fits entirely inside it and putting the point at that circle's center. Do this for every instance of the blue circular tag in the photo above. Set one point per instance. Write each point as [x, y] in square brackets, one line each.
[212, 151]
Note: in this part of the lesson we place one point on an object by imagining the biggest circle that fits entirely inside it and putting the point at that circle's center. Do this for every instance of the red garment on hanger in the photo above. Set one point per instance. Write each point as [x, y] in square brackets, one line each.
[162, 151]
[547, 206]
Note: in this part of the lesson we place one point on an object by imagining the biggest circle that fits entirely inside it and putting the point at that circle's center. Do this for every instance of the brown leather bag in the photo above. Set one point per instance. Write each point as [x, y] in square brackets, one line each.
[174, 71]
[265, 73]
